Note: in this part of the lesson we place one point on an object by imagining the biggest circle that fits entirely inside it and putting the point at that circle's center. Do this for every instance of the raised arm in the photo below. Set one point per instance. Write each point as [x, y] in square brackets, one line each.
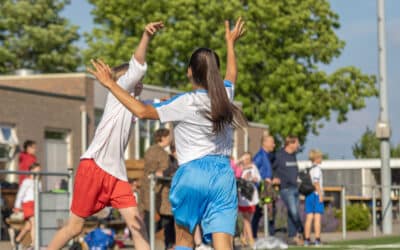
[150, 30]
[231, 36]
[103, 73]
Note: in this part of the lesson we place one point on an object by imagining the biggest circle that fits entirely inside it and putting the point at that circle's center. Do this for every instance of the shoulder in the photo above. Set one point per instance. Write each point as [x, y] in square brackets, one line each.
[185, 97]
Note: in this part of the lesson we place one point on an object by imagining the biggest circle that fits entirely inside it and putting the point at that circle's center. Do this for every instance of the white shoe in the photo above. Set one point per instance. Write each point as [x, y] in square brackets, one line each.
[204, 247]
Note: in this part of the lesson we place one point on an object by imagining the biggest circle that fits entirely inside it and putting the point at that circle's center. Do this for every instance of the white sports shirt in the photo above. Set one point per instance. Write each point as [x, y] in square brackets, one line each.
[25, 192]
[192, 131]
[316, 176]
[112, 134]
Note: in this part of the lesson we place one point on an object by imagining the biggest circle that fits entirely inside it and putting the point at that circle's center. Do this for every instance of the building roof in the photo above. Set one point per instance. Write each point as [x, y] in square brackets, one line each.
[351, 164]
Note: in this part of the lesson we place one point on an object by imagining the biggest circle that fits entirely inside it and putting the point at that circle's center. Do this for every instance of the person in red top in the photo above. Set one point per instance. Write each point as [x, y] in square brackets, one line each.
[26, 158]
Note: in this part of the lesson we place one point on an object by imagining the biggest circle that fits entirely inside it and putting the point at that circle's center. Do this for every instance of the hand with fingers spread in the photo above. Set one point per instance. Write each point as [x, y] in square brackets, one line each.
[152, 28]
[236, 32]
[102, 72]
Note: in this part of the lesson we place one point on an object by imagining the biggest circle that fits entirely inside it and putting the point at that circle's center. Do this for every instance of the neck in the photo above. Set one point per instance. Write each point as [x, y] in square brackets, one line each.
[266, 150]
[289, 150]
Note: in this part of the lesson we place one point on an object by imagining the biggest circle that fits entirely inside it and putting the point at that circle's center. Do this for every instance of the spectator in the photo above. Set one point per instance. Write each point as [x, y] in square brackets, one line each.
[247, 206]
[262, 160]
[25, 202]
[156, 160]
[287, 171]
[26, 158]
[315, 201]
[237, 170]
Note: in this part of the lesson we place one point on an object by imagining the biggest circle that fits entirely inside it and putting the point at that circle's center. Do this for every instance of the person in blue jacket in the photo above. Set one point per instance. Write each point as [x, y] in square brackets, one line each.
[262, 159]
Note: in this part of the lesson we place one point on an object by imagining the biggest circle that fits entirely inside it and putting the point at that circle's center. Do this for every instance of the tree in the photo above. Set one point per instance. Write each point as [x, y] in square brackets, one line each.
[368, 146]
[33, 35]
[280, 80]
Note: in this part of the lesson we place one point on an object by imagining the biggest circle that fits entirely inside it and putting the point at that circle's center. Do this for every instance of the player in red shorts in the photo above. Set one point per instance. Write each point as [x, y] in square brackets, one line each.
[25, 202]
[101, 178]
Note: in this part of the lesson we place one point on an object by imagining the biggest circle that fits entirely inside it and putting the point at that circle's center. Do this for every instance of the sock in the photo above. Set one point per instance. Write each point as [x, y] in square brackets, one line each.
[307, 239]
[182, 248]
[318, 239]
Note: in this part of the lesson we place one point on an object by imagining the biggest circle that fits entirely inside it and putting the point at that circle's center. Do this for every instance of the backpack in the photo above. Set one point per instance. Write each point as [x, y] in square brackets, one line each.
[306, 186]
[245, 188]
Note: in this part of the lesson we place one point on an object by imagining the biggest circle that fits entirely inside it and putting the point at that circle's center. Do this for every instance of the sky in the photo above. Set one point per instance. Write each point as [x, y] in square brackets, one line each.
[358, 29]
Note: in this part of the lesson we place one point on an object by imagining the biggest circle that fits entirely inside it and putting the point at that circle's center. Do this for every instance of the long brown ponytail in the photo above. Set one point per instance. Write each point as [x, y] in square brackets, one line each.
[204, 64]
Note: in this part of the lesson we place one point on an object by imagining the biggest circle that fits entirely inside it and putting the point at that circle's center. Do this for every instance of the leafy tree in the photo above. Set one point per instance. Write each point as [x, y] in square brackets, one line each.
[33, 35]
[368, 146]
[280, 82]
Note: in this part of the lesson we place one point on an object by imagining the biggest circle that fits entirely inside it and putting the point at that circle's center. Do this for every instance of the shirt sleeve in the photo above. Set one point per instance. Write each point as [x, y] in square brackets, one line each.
[133, 75]
[230, 89]
[316, 175]
[174, 109]
[256, 173]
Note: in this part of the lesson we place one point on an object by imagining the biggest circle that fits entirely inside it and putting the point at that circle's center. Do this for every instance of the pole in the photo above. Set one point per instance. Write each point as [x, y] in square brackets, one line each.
[266, 228]
[70, 186]
[384, 124]
[343, 205]
[152, 212]
[1, 214]
[373, 211]
[36, 211]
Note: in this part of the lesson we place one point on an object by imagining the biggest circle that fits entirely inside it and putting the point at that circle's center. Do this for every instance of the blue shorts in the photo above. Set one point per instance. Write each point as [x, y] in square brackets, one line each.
[203, 191]
[313, 206]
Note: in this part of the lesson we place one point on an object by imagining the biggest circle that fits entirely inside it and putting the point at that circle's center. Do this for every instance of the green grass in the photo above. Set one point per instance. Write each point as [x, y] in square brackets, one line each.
[382, 243]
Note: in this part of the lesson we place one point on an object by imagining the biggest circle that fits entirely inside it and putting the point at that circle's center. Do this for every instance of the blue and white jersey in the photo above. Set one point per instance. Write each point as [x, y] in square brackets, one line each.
[192, 131]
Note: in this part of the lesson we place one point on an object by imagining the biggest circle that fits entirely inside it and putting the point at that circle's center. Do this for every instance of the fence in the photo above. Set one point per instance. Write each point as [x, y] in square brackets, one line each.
[37, 212]
[373, 198]
[343, 204]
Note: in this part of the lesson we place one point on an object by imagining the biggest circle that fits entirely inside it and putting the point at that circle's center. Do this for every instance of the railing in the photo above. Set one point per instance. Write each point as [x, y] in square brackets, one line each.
[343, 204]
[36, 176]
[374, 188]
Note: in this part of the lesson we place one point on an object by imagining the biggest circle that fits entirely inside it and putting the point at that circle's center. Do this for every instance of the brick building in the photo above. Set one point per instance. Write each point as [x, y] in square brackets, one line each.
[60, 112]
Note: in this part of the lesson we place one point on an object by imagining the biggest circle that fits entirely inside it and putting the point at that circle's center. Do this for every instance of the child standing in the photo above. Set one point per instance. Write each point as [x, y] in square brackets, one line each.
[247, 207]
[25, 202]
[314, 207]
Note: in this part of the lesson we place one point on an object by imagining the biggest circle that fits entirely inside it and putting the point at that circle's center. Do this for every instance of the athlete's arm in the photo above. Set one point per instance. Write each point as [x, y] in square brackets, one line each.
[150, 30]
[103, 73]
[231, 36]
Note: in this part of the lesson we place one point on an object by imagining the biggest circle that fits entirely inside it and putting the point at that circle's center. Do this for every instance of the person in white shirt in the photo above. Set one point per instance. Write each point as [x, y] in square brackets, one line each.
[101, 178]
[203, 190]
[25, 202]
[247, 207]
[314, 203]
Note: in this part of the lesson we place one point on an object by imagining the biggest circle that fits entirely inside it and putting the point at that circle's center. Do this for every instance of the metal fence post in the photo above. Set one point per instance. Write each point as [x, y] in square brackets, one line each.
[70, 185]
[373, 211]
[152, 212]
[2, 203]
[343, 204]
[36, 209]
[266, 227]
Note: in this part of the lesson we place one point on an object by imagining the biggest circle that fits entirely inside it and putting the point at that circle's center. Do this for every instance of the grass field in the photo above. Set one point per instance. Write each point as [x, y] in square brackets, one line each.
[383, 243]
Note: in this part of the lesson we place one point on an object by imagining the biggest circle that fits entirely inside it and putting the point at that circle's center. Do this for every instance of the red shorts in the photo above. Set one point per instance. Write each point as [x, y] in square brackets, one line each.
[95, 189]
[250, 209]
[28, 209]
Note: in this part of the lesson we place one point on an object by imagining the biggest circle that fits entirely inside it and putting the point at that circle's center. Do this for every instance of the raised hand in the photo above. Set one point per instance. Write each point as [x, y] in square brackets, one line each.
[236, 32]
[152, 28]
[102, 72]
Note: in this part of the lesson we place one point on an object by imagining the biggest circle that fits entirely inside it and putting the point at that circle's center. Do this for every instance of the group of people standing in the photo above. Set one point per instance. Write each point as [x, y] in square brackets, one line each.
[269, 171]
